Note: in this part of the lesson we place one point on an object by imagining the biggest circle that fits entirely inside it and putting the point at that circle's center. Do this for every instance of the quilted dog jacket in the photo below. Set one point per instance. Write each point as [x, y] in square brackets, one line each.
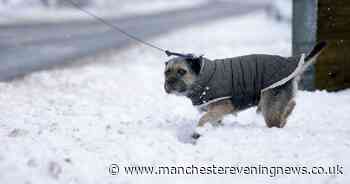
[241, 79]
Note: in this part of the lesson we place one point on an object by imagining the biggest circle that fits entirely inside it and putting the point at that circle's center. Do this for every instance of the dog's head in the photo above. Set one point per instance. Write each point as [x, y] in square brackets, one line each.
[180, 73]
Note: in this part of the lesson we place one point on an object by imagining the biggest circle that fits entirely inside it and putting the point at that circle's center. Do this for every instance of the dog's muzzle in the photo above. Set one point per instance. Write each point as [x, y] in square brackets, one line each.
[174, 85]
[169, 85]
[167, 89]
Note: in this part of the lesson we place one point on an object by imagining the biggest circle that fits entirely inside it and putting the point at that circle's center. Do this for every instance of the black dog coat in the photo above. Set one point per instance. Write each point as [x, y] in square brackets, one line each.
[241, 79]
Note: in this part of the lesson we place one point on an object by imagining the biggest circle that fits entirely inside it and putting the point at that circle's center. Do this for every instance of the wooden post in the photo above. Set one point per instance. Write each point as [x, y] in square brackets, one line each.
[333, 67]
[315, 20]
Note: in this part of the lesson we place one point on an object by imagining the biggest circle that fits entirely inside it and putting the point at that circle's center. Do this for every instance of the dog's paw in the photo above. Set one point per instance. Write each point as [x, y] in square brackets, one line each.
[199, 131]
[195, 135]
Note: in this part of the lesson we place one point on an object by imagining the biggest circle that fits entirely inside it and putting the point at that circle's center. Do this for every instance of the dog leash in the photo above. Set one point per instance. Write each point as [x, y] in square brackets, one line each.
[131, 36]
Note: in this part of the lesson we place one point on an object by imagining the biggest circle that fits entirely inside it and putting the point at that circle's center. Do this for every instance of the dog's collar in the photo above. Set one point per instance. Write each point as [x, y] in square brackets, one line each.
[206, 73]
[199, 89]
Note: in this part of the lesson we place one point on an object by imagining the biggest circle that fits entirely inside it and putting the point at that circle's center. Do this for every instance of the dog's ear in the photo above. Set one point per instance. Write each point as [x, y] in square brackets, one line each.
[195, 64]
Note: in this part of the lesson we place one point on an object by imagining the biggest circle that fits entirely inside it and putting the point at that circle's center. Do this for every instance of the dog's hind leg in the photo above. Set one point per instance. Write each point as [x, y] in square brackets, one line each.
[277, 104]
[289, 109]
[258, 108]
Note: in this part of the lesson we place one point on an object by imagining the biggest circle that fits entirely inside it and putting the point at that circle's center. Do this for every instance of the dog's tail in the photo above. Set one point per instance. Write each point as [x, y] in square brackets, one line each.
[311, 58]
[304, 63]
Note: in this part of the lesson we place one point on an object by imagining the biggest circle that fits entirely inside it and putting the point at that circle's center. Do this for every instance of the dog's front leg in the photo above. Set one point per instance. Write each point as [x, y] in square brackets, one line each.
[211, 117]
[216, 111]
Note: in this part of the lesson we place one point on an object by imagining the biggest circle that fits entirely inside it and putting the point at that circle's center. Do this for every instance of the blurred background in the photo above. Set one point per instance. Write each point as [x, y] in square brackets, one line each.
[28, 9]
[307, 24]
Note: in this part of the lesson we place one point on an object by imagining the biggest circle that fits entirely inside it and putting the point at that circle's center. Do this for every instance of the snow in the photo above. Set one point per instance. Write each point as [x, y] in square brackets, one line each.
[69, 125]
[19, 11]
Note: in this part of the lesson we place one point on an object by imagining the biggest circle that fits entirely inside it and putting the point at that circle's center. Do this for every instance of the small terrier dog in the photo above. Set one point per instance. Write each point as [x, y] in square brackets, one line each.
[223, 86]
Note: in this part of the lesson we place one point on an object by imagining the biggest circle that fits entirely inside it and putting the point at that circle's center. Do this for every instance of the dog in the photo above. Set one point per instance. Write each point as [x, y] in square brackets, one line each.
[226, 86]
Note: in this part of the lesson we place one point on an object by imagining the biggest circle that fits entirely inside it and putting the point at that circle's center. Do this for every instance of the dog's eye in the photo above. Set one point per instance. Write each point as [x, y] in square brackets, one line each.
[181, 71]
[167, 72]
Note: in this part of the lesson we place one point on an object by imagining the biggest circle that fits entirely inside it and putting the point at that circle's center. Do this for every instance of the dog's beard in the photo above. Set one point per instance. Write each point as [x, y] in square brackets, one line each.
[180, 89]
[177, 93]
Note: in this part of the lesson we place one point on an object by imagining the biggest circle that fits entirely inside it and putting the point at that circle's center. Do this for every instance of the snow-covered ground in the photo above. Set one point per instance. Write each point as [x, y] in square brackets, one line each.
[24, 11]
[69, 125]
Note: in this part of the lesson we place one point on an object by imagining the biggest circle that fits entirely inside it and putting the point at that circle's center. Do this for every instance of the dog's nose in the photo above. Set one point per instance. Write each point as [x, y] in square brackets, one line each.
[171, 81]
